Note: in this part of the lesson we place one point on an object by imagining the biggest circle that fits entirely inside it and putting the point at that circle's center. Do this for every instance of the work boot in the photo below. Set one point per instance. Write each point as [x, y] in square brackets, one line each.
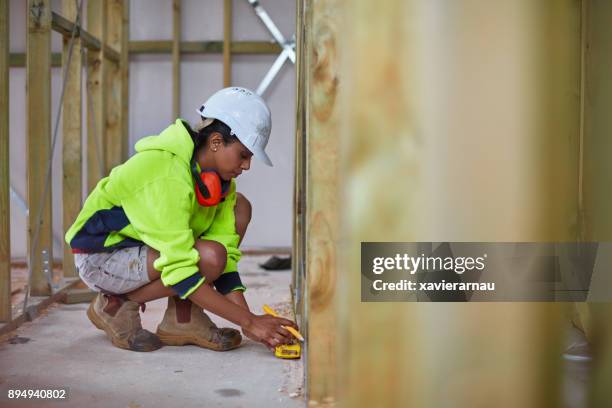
[186, 323]
[120, 319]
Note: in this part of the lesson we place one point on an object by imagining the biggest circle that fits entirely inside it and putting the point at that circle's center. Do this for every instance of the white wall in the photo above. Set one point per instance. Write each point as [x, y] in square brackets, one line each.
[269, 189]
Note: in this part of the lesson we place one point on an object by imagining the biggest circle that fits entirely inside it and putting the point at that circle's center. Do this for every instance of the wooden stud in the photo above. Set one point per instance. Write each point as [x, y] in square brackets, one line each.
[18, 59]
[37, 306]
[581, 230]
[65, 26]
[79, 295]
[441, 156]
[204, 47]
[124, 64]
[38, 114]
[176, 58]
[599, 393]
[595, 317]
[97, 75]
[227, 40]
[299, 231]
[72, 136]
[597, 144]
[5, 185]
[322, 121]
[113, 129]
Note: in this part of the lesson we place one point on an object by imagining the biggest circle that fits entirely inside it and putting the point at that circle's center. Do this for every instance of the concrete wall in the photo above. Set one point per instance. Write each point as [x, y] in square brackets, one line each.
[269, 189]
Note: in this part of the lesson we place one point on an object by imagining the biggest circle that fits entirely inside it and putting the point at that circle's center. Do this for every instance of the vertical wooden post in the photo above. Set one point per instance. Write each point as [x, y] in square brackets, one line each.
[113, 132]
[5, 184]
[321, 67]
[125, 85]
[227, 43]
[72, 135]
[299, 231]
[600, 393]
[176, 58]
[97, 68]
[598, 124]
[595, 318]
[437, 146]
[38, 102]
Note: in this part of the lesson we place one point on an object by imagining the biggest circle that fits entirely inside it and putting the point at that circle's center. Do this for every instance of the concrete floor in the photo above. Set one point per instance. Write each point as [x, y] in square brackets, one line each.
[63, 349]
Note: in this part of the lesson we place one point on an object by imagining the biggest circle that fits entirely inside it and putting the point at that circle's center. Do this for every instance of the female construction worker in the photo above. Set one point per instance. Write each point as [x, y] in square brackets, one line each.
[168, 222]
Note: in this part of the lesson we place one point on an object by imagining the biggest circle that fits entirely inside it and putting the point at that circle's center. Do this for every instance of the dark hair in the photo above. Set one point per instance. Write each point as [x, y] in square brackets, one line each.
[200, 136]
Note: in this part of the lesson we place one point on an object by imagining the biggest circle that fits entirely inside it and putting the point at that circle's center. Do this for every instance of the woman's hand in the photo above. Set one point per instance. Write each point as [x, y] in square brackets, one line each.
[268, 330]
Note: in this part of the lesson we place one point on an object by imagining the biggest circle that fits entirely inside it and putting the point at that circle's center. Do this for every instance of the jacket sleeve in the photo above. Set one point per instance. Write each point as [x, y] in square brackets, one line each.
[223, 230]
[160, 213]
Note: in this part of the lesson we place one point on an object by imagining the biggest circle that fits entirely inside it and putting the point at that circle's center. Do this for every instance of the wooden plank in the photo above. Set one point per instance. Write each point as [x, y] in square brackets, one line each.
[36, 306]
[176, 58]
[281, 251]
[124, 66]
[204, 47]
[227, 40]
[5, 184]
[322, 179]
[111, 54]
[597, 195]
[113, 129]
[596, 222]
[599, 393]
[441, 156]
[64, 26]
[38, 117]
[97, 76]
[299, 231]
[79, 295]
[72, 135]
[17, 59]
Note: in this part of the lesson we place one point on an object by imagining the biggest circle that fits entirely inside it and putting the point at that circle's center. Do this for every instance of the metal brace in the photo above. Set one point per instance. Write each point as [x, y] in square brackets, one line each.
[288, 47]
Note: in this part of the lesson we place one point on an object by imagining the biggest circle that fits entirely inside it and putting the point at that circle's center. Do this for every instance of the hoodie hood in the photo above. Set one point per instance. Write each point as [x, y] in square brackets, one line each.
[175, 139]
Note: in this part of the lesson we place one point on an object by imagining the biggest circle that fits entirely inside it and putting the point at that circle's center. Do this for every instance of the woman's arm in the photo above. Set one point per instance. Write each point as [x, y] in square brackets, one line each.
[237, 297]
[265, 329]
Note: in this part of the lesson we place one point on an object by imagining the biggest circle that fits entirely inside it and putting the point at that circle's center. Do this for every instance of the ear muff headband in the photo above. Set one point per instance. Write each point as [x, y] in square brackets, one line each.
[210, 189]
[201, 187]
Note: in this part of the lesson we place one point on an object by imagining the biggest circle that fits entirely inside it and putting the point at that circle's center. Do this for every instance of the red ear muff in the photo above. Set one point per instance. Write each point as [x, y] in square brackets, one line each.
[210, 189]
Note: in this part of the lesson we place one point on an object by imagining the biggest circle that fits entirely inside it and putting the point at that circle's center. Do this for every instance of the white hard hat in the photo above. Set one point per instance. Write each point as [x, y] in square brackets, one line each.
[247, 116]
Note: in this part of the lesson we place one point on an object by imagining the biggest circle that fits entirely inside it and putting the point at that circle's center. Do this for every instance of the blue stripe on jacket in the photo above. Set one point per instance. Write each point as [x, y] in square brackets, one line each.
[95, 231]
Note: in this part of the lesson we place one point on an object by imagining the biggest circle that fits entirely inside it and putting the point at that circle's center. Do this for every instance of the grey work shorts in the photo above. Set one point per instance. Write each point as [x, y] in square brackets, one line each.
[120, 271]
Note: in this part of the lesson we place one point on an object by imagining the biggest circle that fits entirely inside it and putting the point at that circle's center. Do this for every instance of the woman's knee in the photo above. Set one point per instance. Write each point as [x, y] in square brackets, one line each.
[242, 211]
[213, 258]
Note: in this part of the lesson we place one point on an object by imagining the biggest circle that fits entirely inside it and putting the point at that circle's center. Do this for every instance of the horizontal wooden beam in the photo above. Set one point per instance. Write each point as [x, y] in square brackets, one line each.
[64, 26]
[18, 59]
[204, 47]
[78, 295]
[37, 306]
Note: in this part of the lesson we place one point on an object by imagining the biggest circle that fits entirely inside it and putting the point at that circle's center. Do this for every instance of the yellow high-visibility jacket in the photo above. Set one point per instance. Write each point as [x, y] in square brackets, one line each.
[150, 199]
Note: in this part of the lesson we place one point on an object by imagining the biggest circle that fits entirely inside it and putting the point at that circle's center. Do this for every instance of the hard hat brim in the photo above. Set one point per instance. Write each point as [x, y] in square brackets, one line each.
[260, 155]
[263, 157]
